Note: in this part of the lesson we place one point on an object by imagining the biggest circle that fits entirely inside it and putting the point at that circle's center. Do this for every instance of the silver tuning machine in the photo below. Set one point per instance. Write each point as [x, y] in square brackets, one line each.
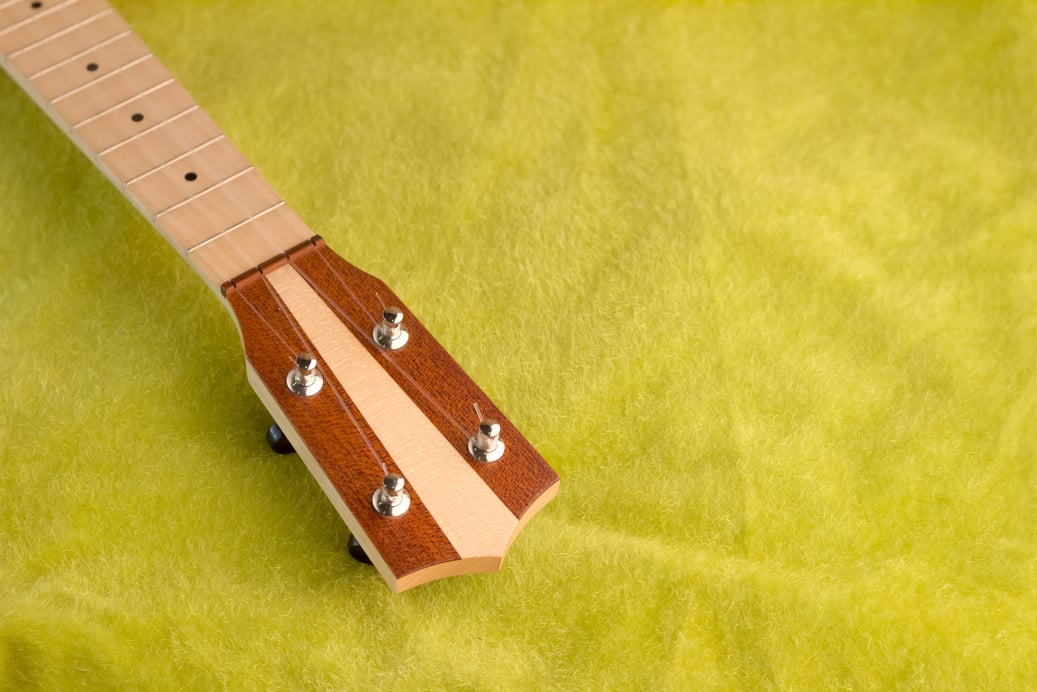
[303, 379]
[391, 334]
[485, 445]
[392, 498]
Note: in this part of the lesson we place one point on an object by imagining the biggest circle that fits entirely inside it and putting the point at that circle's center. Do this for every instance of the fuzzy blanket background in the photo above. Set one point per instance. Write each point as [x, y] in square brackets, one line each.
[758, 279]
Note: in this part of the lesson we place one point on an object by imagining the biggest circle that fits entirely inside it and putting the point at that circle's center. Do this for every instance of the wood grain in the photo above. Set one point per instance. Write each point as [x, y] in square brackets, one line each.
[250, 244]
[91, 66]
[470, 515]
[338, 455]
[94, 77]
[434, 380]
[187, 175]
[131, 150]
[414, 406]
[217, 207]
[47, 24]
[88, 35]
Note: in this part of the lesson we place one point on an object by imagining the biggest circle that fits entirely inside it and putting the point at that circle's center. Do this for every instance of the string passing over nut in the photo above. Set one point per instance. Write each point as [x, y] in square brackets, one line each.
[485, 445]
[303, 379]
[392, 498]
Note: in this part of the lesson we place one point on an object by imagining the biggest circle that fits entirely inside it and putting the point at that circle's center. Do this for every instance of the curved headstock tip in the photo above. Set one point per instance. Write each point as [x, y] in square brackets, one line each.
[534, 509]
[472, 565]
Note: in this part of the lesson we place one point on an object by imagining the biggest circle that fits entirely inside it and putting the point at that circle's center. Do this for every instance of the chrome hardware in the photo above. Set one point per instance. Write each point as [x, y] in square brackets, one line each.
[485, 445]
[391, 334]
[303, 379]
[392, 499]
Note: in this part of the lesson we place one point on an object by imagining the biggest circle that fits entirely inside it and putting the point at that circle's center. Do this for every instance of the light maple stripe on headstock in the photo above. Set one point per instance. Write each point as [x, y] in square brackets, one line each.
[380, 411]
[413, 406]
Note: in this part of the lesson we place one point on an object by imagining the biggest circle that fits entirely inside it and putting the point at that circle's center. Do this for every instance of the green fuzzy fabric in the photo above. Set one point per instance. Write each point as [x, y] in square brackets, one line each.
[758, 279]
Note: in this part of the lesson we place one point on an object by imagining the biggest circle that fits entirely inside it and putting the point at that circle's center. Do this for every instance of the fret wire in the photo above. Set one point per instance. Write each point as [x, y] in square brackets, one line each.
[48, 39]
[227, 231]
[36, 15]
[104, 31]
[128, 140]
[175, 116]
[205, 191]
[106, 111]
[92, 82]
[80, 54]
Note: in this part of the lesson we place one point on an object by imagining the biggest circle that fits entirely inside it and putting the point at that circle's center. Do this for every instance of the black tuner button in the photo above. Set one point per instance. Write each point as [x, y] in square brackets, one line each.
[356, 551]
[277, 441]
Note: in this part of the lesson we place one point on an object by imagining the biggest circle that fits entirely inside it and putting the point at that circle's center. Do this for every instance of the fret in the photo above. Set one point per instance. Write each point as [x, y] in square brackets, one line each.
[187, 176]
[82, 37]
[96, 82]
[162, 144]
[49, 27]
[209, 142]
[217, 208]
[16, 14]
[90, 66]
[80, 54]
[134, 117]
[206, 190]
[249, 243]
[254, 219]
[99, 81]
[113, 91]
[106, 131]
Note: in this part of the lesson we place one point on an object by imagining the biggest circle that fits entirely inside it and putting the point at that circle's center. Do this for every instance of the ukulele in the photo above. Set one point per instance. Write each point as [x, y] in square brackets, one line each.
[428, 474]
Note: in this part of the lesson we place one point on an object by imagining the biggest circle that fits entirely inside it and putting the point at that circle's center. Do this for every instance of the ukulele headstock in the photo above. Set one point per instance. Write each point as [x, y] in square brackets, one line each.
[429, 475]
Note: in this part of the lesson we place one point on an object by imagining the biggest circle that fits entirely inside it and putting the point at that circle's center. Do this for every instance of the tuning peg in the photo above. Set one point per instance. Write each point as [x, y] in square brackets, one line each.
[391, 334]
[275, 437]
[485, 445]
[392, 498]
[303, 379]
[356, 551]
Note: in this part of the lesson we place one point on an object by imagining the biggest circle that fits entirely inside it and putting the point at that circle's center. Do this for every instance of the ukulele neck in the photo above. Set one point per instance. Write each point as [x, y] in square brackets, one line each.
[98, 81]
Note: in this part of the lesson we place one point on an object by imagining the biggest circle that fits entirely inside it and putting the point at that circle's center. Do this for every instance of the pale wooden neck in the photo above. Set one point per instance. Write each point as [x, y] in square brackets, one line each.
[98, 81]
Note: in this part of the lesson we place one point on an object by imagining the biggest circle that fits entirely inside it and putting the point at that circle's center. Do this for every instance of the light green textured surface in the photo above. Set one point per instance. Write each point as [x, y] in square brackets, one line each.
[757, 279]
